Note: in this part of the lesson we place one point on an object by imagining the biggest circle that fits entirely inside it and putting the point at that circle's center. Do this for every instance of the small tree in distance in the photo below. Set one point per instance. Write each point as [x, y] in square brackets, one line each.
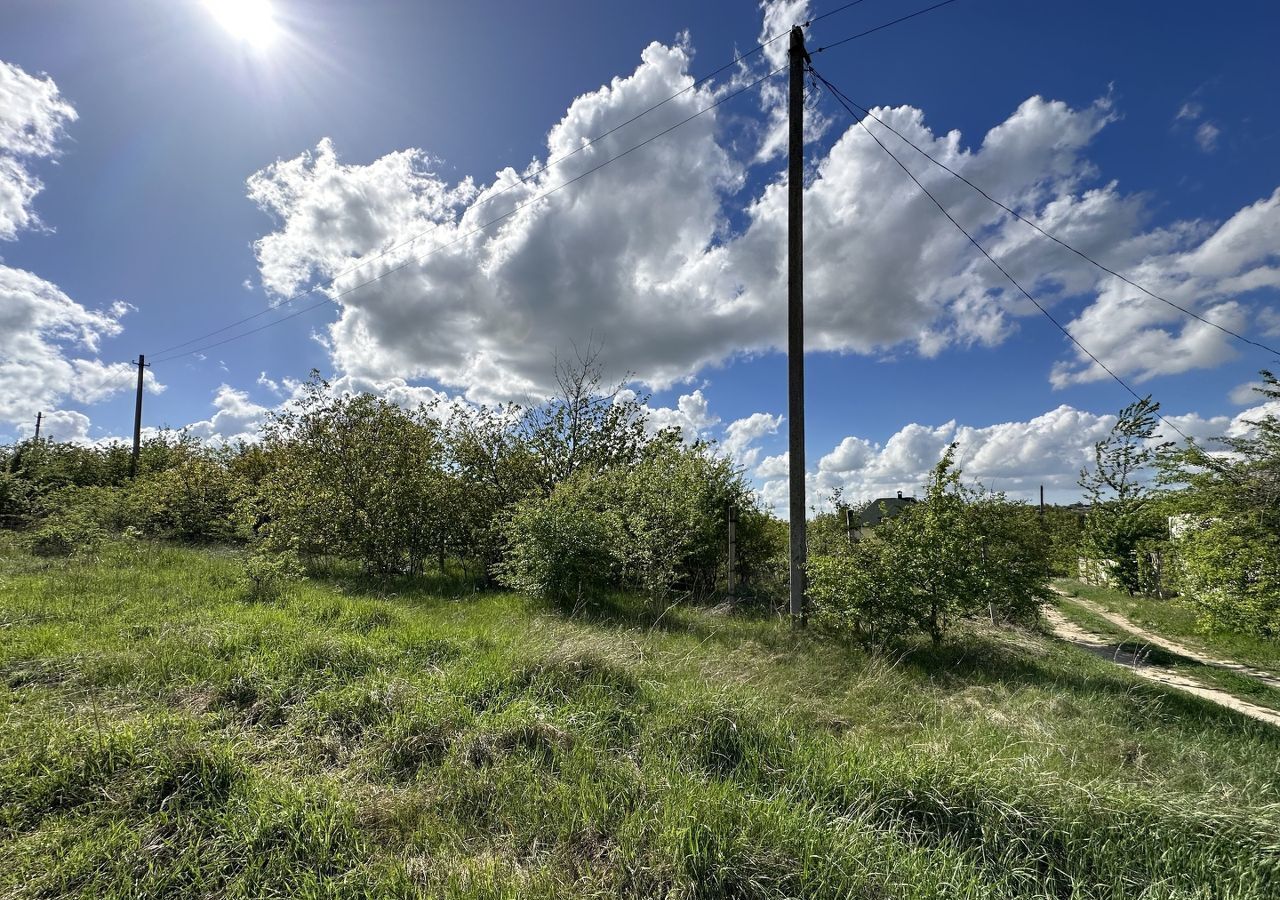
[1120, 519]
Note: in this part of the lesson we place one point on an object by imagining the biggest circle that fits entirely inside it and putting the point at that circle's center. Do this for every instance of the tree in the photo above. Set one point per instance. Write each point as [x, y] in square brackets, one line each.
[1120, 522]
[1228, 557]
[957, 553]
[586, 425]
[492, 469]
[355, 477]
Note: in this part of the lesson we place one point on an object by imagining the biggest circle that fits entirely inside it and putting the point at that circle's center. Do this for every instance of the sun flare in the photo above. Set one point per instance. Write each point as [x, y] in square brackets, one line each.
[251, 21]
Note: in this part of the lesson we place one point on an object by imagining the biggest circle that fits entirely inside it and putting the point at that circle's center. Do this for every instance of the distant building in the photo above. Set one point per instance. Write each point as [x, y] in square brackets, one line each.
[1187, 524]
[876, 512]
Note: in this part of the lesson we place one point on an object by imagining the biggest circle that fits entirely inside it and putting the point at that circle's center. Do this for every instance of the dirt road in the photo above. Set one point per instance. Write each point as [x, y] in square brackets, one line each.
[1159, 640]
[1107, 649]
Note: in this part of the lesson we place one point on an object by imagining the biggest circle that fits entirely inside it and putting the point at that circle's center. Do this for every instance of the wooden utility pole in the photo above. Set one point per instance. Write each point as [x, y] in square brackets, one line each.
[39, 418]
[795, 321]
[137, 420]
[1042, 503]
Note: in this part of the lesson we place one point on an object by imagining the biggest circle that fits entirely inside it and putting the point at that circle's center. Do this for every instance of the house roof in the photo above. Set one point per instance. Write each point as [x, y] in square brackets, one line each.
[877, 511]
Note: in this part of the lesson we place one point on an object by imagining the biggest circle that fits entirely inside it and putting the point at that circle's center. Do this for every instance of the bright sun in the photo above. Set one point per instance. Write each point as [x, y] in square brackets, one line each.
[252, 21]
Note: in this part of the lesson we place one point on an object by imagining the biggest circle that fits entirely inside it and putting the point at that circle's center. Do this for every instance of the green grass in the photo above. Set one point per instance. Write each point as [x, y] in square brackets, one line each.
[161, 736]
[1177, 619]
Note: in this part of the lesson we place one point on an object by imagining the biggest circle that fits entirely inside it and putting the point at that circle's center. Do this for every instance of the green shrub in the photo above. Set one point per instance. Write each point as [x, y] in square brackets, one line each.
[356, 478]
[857, 596]
[193, 501]
[1233, 579]
[656, 527]
[66, 536]
[265, 576]
[958, 553]
[104, 507]
[16, 500]
[562, 547]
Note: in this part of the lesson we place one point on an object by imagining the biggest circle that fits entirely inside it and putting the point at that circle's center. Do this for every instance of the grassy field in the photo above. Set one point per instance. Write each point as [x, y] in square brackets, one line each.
[162, 736]
[1177, 619]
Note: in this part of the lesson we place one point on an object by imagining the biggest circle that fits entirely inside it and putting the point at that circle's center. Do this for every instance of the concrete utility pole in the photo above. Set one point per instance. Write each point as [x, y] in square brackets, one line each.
[795, 321]
[39, 418]
[137, 420]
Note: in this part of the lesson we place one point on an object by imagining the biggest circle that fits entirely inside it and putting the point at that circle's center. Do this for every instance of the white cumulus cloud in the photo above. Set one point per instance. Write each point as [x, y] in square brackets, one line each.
[673, 257]
[48, 349]
[49, 343]
[32, 117]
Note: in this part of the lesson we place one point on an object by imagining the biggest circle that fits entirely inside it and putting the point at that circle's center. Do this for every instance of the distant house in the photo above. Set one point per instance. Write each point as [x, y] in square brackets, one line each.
[877, 511]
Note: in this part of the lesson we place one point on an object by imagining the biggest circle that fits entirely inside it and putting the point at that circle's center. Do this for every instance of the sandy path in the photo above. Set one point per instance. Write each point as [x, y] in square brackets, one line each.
[1100, 646]
[1159, 640]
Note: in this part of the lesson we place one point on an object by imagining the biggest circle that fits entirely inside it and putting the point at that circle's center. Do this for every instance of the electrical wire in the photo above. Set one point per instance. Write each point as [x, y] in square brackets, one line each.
[479, 228]
[838, 9]
[1057, 240]
[1003, 271]
[862, 34]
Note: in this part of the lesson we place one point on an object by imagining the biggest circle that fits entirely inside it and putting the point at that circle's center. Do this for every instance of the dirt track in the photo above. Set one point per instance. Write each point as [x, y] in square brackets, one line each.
[1157, 640]
[1105, 648]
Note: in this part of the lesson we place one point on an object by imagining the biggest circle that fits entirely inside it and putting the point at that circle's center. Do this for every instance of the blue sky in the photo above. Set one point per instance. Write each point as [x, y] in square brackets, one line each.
[152, 131]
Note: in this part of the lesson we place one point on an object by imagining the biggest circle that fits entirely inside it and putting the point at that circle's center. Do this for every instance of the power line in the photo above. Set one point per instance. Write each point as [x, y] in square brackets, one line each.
[838, 9]
[862, 34]
[1003, 271]
[1057, 240]
[478, 228]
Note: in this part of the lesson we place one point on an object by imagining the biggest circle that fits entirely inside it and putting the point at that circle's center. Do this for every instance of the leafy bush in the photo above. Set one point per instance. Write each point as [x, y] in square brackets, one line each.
[193, 501]
[265, 575]
[673, 505]
[66, 536]
[357, 478]
[1233, 579]
[1228, 564]
[957, 553]
[655, 527]
[16, 500]
[562, 547]
[856, 595]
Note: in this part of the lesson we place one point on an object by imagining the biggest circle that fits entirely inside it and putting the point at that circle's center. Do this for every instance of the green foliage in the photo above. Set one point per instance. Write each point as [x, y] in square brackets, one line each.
[957, 553]
[194, 501]
[1122, 522]
[1227, 561]
[66, 535]
[655, 527]
[562, 547]
[1232, 575]
[585, 427]
[17, 500]
[856, 594]
[674, 507]
[494, 468]
[43, 479]
[1064, 528]
[355, 477]
[265, 576]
